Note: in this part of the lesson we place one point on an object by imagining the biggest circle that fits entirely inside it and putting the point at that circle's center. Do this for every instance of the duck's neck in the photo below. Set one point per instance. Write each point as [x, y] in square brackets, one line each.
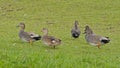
[23, 27]
[76, 26]
[45, 33]
[21, 30]
[89, 31]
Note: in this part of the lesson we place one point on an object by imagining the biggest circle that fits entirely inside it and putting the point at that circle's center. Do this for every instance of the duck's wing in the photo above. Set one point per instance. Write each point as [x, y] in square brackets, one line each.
[98, 39]
[51, 40]
[93, 38]
[24, 36]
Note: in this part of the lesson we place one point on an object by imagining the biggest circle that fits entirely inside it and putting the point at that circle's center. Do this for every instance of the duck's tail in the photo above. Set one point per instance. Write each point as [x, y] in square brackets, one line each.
[107, 40]
[36, 38]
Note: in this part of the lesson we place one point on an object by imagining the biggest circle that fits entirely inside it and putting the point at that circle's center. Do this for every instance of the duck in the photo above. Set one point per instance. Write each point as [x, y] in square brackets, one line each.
[75, 32]
[50, 40]
[94, 39]
[27, 36]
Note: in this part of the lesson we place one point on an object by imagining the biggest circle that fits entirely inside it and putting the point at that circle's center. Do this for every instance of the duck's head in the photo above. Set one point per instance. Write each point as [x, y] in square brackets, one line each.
[45, 31]
[88, 30]
[76, 23]
[22, 25]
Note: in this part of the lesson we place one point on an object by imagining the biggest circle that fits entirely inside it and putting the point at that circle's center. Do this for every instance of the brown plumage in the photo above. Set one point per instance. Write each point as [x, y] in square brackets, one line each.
[50, 40]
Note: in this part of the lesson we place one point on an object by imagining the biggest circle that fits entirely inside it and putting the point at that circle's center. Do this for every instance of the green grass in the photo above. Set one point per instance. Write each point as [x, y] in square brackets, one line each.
[102, 16]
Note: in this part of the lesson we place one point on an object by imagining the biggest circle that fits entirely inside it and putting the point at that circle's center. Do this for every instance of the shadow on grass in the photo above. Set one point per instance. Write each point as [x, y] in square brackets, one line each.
[50, 47]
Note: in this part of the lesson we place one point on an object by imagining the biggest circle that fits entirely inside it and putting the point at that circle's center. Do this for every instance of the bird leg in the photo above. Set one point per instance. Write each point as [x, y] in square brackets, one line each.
[30, 42]
[54, 46]
[98, 45]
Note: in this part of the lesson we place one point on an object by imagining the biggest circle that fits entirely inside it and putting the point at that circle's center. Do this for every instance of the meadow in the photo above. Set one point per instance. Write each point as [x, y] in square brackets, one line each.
[103, 16]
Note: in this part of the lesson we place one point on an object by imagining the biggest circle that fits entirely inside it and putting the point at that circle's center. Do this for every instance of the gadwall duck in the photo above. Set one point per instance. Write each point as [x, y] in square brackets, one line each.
[75, 30]
[94, 39]
[50, 40]
[27, 36]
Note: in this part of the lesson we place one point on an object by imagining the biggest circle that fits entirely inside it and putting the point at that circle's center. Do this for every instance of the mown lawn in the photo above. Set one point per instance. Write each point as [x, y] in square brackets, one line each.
[103, 16]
